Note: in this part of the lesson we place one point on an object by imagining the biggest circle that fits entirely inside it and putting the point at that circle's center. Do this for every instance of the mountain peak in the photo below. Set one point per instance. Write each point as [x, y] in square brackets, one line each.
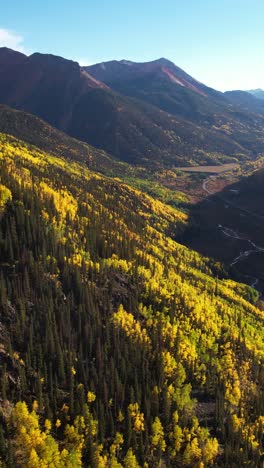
[160, 62]
[164, 62]
[10, 56]
[124, 73]
[126, 62]
[50, 59]
[8, 51]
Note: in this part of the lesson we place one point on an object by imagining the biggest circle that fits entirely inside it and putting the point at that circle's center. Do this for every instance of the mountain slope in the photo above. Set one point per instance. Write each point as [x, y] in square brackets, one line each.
[92, 287]
[71, 99]
[44, 84]
[166, 86]
[160, 83]
[36, 131]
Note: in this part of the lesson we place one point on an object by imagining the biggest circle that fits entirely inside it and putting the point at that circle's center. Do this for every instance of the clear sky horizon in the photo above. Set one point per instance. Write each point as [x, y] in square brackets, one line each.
[218, 42]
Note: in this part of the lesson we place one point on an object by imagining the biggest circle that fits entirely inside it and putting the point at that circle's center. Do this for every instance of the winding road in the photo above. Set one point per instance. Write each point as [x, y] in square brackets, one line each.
[205, 182]
[228, 202]
[228, 232]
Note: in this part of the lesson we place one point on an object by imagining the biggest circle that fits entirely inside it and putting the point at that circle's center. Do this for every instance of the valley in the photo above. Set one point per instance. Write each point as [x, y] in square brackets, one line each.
[231, 227]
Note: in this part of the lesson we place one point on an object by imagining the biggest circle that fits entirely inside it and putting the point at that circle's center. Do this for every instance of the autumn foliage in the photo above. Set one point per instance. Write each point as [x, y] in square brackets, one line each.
[139, 351]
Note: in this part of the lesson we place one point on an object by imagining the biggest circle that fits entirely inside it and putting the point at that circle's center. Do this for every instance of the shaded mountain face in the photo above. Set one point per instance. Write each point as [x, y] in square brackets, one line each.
[115, 72]
[148, 114]
[10, 57]
[160, 83]
[45, 85]
[36, 131]
[165, 85]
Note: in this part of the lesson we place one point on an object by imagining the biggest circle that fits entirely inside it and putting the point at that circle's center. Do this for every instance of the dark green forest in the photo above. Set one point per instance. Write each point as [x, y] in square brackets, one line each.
[119, 347]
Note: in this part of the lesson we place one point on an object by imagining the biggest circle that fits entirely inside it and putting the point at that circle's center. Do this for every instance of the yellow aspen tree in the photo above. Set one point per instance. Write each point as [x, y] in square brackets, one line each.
[130, 460]
[157, 436]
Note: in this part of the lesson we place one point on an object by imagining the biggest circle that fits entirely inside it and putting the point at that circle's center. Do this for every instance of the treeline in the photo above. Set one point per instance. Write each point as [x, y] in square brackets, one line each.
[138, 351]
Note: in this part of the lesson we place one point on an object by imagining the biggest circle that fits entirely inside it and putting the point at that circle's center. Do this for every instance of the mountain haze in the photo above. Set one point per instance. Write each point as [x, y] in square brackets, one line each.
[258, 93]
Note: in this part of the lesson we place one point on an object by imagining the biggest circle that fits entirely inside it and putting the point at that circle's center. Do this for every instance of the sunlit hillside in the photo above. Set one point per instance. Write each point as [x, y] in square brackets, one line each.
[126, 348]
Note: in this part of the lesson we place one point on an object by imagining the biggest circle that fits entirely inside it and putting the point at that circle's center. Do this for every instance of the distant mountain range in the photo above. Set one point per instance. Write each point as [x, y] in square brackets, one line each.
[258, 93]
[144, 113]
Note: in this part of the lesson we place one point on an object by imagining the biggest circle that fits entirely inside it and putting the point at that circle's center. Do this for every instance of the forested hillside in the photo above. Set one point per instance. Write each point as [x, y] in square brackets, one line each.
[36, 131]
[119, 347]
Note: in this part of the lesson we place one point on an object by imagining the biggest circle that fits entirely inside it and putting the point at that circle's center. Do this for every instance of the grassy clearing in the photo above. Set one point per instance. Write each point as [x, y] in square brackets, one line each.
[210, 169]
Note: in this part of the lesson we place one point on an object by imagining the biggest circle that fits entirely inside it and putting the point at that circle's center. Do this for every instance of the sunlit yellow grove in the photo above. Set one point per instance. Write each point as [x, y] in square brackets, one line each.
[139, 351]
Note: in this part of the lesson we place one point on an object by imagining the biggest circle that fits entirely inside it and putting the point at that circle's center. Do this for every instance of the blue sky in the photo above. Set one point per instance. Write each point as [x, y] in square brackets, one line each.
[219, 42]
